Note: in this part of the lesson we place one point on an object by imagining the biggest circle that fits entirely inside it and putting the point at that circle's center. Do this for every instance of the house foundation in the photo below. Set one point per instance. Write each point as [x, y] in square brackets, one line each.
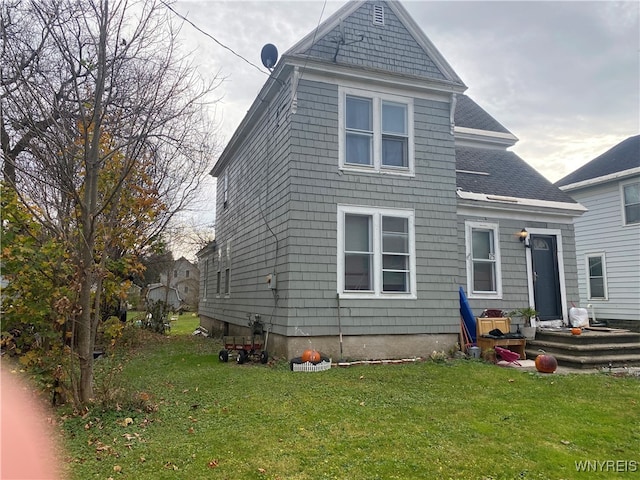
[352, 347]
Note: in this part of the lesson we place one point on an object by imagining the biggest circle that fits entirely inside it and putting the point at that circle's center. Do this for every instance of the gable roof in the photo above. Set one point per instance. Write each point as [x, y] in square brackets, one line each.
[501, 173]
[399, 45]
[625, 156]
[374, 57]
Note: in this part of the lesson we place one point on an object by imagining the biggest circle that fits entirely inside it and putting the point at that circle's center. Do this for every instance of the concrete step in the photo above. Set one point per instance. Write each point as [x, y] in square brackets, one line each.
[590, 362]
[591, 349]
[588, 337]
[594, 349]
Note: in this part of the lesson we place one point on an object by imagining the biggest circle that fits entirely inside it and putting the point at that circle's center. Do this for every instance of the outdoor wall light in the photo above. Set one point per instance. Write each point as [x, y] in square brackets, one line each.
[524, 237]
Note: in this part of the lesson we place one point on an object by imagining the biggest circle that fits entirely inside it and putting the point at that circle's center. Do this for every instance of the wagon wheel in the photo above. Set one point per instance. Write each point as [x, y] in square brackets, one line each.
[223, 356]
[264, 357]
[242, 357]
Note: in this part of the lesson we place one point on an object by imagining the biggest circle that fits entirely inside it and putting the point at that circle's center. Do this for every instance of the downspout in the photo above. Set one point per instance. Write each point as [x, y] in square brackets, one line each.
[452, 113]
[340, 327]
[294, 90]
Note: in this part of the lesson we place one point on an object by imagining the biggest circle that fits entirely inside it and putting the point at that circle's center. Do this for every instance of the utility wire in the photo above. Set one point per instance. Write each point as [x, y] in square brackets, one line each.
[214, 38]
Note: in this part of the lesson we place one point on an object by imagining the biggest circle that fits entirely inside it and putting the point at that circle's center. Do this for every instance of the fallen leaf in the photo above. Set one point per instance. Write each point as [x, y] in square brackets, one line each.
[117, 468]
[126, 422]
[191, 430]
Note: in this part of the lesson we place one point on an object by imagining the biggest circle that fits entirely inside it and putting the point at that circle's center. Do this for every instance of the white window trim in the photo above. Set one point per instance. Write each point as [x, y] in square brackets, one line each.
[227, 271]
[225, 191]
[469, 226]
[377, 214]
[603, 259]
[206, 279]
[377, 98]
[622, 205]
[219, 274]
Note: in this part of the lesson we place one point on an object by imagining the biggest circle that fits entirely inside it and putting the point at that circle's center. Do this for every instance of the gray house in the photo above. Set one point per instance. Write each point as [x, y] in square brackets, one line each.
[608, 235]
[184, 276]
[363, 188]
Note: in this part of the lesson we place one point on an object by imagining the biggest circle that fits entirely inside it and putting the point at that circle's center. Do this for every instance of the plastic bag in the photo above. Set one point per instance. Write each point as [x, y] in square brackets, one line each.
[578, 317]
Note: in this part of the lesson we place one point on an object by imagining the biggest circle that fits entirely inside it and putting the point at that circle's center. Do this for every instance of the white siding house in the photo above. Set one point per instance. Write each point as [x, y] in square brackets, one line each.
[608, 235]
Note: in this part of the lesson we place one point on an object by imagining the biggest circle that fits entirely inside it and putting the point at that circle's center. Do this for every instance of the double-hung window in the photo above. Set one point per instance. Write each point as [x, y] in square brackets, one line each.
[631, 203]
[219, 274]
[483, 260]
[376, 132]
[596, 276]
[376, 252]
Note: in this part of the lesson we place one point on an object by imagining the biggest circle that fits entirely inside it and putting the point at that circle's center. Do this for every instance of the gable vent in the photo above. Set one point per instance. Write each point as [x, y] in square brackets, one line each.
[378, 14]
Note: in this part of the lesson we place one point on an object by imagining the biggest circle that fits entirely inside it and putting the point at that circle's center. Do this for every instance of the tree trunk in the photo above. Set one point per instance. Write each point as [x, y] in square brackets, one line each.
[93, 134]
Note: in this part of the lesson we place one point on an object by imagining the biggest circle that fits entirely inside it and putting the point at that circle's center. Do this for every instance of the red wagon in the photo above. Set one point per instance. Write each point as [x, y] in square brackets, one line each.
[254, 345]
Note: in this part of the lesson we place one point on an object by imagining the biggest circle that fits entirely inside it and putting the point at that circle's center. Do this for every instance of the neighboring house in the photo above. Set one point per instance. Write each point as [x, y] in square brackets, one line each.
[608, 235]
[363, 188]
[185, 278]
[158, 292]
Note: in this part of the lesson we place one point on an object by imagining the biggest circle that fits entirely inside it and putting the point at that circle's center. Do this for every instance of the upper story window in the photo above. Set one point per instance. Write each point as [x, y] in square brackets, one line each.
[219, 273]
[225, 190]
[376, 132]
[376, 252]
[631, 203]
[483, 260]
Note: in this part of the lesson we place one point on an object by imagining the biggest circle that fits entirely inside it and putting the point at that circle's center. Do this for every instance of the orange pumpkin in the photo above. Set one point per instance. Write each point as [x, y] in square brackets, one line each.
[312, 356]
[576, 331]
[546, 363]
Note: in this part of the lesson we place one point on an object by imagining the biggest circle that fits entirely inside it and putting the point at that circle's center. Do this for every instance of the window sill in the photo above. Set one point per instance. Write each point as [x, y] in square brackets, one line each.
[377, 296]
[404, 172]
[485, 296]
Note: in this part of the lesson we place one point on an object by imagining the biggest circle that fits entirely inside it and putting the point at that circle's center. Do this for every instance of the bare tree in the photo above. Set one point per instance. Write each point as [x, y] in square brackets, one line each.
[103, 133]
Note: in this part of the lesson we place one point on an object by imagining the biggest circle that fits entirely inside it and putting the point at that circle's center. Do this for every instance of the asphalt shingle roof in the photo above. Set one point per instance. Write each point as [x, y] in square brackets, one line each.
[624, 156]
[500, 172]
[469, 114]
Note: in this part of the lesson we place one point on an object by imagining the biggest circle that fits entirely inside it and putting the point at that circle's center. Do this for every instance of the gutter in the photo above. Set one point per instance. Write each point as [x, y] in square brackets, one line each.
[603, 179]
[499, 202]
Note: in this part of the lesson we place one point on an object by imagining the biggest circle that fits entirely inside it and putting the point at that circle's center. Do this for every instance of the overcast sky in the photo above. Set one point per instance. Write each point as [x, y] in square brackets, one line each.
[564, 77]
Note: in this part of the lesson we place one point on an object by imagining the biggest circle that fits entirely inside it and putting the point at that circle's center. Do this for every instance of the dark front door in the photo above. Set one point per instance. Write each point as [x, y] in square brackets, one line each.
[546, 279]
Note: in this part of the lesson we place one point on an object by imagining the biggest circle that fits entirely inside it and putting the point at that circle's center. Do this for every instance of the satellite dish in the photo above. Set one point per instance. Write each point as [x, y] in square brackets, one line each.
[269, 55]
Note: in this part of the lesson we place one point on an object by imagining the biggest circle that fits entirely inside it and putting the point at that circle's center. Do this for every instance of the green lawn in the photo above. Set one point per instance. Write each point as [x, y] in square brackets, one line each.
[198, 418]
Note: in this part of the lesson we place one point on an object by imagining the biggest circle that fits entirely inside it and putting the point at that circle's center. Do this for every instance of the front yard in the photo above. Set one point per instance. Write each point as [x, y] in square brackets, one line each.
[188, 416]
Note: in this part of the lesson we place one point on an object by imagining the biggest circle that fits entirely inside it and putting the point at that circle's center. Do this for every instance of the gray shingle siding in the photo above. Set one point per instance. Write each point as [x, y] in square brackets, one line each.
[317, 187]
[286, 185]
[258, 191]
[513, 262]
[390, 47]
[311, 187]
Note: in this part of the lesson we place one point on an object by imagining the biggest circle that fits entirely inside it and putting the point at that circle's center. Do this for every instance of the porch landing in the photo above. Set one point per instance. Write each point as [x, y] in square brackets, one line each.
[592, 349]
